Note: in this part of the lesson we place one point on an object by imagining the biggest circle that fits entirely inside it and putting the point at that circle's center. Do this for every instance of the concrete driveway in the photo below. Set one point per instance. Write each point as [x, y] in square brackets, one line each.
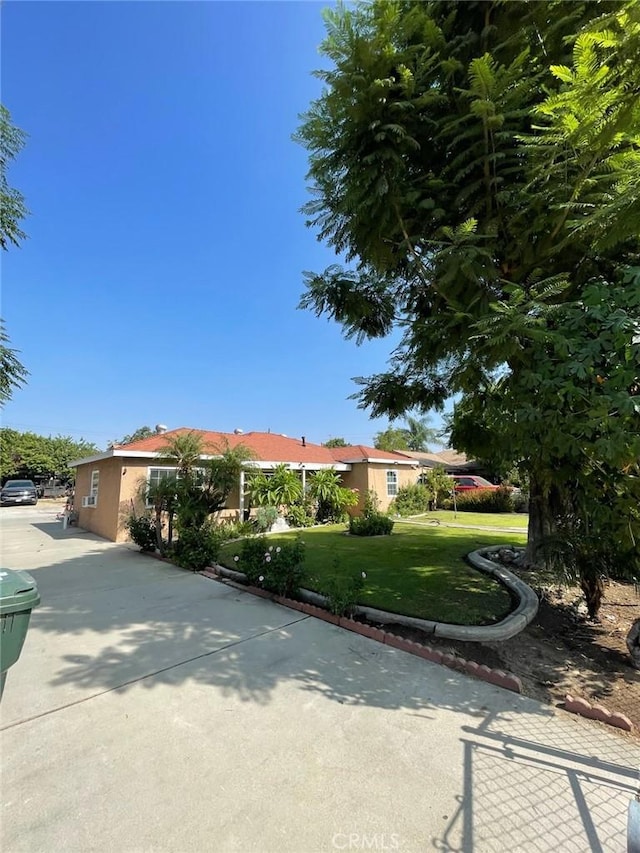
[155, 710]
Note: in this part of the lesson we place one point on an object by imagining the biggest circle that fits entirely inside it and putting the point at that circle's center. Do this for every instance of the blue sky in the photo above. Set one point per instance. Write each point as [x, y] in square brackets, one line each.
[163, 268]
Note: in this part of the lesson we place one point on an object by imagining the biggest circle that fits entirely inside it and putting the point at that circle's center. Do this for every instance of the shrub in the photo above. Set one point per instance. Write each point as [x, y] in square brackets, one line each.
[265, 517]
[371, 504]
[299, 515]
[520, 502]
[142, 530]
[235, 529]
[483, 500]
[411, 500]
[343, 592]
[276, 568]
[371, 525]
[198, 547]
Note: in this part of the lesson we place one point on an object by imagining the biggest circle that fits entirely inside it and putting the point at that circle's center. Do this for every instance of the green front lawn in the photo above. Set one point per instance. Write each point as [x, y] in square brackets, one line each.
[418, 571]
[479, 519]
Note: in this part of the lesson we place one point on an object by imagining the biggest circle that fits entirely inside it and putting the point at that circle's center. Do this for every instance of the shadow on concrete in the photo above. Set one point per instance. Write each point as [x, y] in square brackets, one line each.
[167, 626]
[500, 767]
[54, 530]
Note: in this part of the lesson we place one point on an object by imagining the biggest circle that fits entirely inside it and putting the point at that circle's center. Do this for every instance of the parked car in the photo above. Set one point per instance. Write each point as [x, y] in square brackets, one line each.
[18, 492]
[469, 482]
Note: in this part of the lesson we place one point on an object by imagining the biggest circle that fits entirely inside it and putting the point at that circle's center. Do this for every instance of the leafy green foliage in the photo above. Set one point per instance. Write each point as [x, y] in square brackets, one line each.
[392, 438]
[335, 442]
[277, 568]
[12, 204]
[197, 548]
[342, 590]
[142, 530]
[13, 374]
[137, 435]
[31, 456]
[437, 483]
[412, 499]
[332, 499]
[264, 518]
[301, 515]
[479, 163]
[374, 524]
[281, 488]
[483, 500]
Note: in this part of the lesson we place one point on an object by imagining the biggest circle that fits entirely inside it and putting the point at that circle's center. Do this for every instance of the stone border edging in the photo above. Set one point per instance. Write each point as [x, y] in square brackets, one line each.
[597, 712]
[497, 677]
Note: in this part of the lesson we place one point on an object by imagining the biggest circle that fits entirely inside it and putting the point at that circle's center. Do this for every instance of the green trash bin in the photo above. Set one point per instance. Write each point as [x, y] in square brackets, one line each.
[18, 597]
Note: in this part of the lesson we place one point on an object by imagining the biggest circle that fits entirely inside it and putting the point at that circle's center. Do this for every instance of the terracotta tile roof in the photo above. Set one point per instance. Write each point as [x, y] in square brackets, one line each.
[266, 446]
[361, 451]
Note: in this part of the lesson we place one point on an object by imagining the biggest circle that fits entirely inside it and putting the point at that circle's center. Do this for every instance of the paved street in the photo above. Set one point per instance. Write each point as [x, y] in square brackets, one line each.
[155, 710]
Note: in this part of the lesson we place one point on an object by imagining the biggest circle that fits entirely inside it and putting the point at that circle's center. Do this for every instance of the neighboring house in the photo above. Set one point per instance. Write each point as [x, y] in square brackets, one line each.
[108, 484]
[450, 460]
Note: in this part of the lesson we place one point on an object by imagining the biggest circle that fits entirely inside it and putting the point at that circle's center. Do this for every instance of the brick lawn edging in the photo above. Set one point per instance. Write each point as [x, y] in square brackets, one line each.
[597, 712]
[497, 677]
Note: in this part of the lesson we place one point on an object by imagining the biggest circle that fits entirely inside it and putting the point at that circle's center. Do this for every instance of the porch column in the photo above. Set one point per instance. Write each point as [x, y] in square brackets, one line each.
[304, 480]
[241, 499]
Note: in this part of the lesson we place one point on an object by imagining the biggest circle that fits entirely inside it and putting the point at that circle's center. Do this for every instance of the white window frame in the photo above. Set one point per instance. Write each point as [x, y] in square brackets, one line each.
[94, 488]
[392, 483]
[172, 469]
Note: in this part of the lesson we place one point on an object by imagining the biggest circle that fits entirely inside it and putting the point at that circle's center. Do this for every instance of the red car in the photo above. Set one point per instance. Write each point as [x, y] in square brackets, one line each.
[469, 482]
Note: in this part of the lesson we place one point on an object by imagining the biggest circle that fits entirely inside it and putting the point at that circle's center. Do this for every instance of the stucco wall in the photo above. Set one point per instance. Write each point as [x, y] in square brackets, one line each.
[364, 476]
[103, 518]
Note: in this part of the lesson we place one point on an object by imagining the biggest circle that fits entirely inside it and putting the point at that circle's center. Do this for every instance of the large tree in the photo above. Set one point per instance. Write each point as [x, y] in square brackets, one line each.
[474, 161]
[32, 456]
[12, 211]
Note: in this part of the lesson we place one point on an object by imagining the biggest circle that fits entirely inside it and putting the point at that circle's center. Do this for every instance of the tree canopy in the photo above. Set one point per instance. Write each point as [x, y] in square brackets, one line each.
[12, 211]
[335, 442]
[478, 164]
[31, 456]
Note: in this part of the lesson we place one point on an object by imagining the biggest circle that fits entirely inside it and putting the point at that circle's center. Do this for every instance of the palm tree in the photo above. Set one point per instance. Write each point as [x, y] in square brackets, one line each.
[419, 433]
[185, 449]
[163, 497]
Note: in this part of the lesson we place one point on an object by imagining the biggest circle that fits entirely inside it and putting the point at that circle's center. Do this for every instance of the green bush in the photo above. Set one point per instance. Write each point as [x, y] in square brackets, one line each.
[198, 547]
[483, 500]
[371, 525]
[299, 515]
[235, 529]
[265, 517]
[411, 500]
[343, 592]
[520, 501]
[277, 568]
[142, 531]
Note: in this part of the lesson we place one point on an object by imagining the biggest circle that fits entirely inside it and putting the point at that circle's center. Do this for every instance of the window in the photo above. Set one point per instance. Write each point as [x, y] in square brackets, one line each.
[392, 483]
[156, 475]
[95, 482]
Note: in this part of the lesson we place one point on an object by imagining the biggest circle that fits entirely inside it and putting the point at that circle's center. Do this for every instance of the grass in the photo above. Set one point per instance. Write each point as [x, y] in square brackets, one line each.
[478, 519]
[417, 571]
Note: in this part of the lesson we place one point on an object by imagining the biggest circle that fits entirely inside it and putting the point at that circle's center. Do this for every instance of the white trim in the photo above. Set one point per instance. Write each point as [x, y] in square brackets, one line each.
[409, 462]
[149, 454]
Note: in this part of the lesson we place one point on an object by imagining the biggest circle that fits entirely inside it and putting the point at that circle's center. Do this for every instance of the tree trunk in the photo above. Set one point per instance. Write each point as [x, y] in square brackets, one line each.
[633, 644]
[593, 588]
[159, 541]
[545, 505]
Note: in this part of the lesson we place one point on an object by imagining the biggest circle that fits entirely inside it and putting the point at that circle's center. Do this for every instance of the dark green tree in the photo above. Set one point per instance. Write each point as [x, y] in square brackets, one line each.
[335, 442]
[12, 211]
[391, 438]
[447, 164]
[137, 435]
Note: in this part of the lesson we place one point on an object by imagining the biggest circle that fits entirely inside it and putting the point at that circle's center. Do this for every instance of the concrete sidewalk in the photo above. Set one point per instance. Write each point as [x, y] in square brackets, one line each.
[154, 710]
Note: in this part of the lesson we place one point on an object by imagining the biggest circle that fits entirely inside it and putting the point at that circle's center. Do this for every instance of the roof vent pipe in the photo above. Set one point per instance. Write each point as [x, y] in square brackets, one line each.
[304, 441]
[238, 431]
[160, 428]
